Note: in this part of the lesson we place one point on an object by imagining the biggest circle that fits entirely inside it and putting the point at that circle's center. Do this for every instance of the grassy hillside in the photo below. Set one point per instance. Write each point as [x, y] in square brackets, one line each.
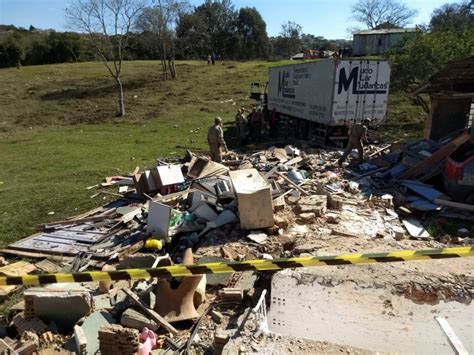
[59, 133]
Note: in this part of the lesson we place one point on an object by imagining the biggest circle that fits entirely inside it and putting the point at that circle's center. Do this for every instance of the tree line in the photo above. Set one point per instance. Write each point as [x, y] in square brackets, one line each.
[116, 30]
[166, 29]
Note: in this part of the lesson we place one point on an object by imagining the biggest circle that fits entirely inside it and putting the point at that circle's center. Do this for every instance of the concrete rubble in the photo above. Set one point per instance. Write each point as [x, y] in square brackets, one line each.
[268, 204]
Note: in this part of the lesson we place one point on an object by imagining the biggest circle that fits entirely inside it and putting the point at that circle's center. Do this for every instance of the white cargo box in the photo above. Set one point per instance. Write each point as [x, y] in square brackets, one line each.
[331, 92]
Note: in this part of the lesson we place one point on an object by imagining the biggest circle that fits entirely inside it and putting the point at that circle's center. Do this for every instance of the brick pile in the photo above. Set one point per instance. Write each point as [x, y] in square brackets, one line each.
[115, 339]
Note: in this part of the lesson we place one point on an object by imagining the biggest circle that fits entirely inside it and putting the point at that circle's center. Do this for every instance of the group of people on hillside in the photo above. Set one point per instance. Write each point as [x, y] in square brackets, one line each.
[251, 126]
[247, 126]
[211, 58]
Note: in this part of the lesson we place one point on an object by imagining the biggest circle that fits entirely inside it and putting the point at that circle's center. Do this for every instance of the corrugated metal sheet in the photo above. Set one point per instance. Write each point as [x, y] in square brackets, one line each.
[377, 42]
[386, 31]
[456, 76]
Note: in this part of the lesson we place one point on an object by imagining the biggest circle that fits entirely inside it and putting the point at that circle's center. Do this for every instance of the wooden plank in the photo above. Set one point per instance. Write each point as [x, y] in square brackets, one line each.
[88, 213]
[293, 161]
[461, 206]
[6, 291]
[48, 267]
[271, 172]
[79, 238]
[344, 233]
[436, 157]
[152, 314]
[72, 221]
[174, 195]
[51, 241]
[380, 150]
[453, 338]
[29, 245]
[288, 192]
[18, 268]
[131, 249]
[300, 189]
[30, 254]
[6, 348]
[131, 215]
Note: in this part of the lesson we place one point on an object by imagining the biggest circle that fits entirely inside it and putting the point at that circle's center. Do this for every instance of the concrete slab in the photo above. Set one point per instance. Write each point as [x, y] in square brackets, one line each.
[90, 328]
[62, 305]
[356, 312]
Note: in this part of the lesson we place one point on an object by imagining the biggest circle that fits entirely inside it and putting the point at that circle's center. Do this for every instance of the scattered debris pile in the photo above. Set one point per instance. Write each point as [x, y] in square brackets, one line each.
[276, 203]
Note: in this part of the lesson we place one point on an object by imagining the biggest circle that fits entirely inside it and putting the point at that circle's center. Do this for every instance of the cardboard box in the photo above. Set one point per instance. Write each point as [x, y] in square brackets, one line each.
[254, 199]
[167, 175]
[139, 180]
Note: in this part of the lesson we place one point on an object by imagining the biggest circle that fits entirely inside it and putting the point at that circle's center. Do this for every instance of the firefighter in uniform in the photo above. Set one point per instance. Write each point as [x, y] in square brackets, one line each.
[215, 139]
[357, 136]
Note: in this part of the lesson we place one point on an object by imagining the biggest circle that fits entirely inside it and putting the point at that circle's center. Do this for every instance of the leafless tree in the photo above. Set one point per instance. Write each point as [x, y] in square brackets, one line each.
[108, 24]
[377, 14]
[160, 20]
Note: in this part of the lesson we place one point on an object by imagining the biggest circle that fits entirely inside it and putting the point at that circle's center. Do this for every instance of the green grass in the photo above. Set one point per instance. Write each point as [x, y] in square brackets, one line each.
[59, 132]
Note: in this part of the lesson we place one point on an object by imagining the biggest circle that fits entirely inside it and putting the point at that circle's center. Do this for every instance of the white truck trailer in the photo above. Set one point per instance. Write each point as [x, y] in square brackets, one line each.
[325, 97]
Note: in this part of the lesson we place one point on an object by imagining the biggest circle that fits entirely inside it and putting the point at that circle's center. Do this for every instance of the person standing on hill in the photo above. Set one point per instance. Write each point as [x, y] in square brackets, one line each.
[213, 57]
[357, 135]
[215, 139]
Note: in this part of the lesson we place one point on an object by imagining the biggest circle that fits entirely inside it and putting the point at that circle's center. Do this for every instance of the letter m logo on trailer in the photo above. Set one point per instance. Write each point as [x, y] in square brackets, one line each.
[361, 91]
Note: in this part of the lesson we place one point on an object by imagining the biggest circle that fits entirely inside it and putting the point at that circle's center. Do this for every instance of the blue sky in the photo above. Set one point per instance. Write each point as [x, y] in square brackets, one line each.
[328, 18]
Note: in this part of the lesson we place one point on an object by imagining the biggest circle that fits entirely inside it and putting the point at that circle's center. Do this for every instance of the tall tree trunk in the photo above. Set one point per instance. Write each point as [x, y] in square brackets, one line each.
[175, 73]
[172, 68]
[164, 67]
[121, 97]
[164, 56]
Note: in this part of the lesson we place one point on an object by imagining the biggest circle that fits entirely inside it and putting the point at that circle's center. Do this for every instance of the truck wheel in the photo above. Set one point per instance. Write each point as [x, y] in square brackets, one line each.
[470, 199]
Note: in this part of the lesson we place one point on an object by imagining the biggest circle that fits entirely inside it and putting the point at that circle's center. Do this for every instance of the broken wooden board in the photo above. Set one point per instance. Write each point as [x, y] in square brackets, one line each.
[7, 291]
[415, 228]
[119, 180]
[42, 227]
[149, 312]
[293, 161]
[436, 158]
[293, 184]
[29, 254]
[70, 240]
[48, 267]
[17, 269]
[201, 167]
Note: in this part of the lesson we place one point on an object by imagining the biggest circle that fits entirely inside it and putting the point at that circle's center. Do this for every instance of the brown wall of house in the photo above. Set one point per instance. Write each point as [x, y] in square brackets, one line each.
[447, 116]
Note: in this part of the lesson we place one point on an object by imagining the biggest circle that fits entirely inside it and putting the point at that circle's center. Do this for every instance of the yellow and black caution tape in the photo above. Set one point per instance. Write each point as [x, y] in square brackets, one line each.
[229, 267]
